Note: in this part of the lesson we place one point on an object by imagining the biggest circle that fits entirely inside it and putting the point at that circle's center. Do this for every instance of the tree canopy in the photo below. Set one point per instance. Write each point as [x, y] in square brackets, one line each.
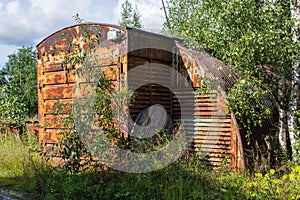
[254, 37]
[130, 16]
[18, 95]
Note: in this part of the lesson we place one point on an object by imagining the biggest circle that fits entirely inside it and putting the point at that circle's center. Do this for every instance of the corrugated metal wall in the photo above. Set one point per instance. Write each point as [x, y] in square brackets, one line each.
[216, 136]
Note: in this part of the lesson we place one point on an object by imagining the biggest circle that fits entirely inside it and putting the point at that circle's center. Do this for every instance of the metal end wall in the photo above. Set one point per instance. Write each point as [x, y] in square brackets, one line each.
[56, 79]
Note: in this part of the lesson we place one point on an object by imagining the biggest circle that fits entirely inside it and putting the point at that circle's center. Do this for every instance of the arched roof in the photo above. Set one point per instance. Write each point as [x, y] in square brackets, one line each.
[76, 25]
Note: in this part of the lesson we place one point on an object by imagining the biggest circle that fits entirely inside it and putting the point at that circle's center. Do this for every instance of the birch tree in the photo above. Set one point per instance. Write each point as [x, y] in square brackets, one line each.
[294, 99]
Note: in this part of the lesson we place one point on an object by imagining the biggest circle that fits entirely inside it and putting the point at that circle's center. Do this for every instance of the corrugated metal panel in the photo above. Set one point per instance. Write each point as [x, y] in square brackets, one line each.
[210, 127]
[149, 94]
[216, 136]
[198, 63]
[150, 46]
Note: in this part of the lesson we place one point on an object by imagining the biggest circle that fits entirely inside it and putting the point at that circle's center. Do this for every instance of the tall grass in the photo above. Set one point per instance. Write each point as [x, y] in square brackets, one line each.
[22, 168]
[13, 156]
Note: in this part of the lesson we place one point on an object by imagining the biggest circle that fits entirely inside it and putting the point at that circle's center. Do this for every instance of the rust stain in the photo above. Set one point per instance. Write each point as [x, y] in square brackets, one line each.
[56, 122]
[52, 136]
[58, 92]
[54, 107]
[71, 76]
[56, 82]
[51, 67]
[55, 78]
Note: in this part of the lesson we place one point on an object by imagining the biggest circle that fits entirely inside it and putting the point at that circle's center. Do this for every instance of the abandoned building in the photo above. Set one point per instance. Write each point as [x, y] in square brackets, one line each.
[214, 131]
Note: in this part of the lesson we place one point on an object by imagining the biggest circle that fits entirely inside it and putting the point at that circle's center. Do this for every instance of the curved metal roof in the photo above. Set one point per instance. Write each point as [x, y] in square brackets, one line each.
[84, 24]
[206, 65]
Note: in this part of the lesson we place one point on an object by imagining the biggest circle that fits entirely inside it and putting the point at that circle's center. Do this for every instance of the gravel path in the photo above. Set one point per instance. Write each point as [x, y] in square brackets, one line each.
[6, 194]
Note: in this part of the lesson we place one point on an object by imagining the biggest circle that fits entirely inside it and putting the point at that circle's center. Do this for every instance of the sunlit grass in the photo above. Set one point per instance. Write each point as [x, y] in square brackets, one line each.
[13, 157]
[19, 163]
[22, 168]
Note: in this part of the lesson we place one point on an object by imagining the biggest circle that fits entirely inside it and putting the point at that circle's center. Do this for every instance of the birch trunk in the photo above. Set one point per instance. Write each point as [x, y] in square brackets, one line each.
[282, 135]
[294, 99]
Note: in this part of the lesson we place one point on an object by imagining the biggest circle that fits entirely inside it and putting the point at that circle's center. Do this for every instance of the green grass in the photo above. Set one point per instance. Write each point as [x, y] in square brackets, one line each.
[23, 169]
[20, 162]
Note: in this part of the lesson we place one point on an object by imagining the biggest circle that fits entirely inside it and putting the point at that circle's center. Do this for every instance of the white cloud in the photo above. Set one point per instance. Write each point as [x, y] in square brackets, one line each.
[16, 23]
[27, 22]
[22, 21]
[13, 7]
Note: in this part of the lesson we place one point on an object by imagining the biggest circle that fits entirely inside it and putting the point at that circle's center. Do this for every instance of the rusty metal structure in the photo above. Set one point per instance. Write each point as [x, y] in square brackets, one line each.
[215, 131]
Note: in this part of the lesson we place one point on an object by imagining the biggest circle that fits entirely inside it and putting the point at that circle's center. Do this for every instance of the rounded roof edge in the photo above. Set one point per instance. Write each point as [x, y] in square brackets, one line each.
[212, 65]
[72, 26]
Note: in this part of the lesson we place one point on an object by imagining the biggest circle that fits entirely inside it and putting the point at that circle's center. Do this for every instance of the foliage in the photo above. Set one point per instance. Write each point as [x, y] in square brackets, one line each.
[150, 144]
[187, 178]
[249, 91]
[72, 147]
[207, 85]
[271, 185]
[18, 93]
[20, 82]
[73, 152]
[12, 109]
[130, 17]
[253, 37]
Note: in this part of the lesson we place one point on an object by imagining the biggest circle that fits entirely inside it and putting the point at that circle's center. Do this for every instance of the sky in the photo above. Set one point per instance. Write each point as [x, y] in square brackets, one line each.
[28, 22]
